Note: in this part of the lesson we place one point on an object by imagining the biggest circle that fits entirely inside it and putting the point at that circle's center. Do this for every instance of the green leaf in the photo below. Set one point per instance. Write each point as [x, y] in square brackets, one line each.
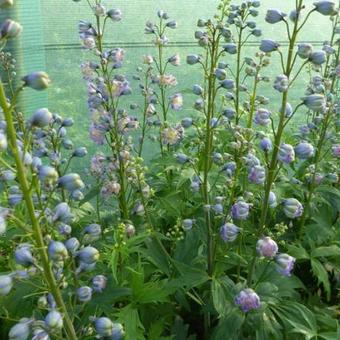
[218, 296]
[133, 327]
[332, 250]
[298, 252]
[229, 326]
[322, 276]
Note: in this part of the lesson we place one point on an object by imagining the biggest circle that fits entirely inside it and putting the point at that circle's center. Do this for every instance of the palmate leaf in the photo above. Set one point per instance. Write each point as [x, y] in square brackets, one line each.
[320, 272]
[129, 317]
[298, 252]
[296, 315]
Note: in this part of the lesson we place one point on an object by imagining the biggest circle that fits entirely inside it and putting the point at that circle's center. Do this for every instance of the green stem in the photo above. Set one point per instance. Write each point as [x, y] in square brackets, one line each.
[37, 233]
[277, 141]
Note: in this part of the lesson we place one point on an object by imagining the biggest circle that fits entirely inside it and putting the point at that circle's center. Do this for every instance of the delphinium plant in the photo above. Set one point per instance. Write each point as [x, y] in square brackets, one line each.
[228, 232]
[48, 276]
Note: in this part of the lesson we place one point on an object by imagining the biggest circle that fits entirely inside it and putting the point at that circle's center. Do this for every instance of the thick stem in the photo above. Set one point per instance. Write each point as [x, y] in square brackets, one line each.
[37, 233]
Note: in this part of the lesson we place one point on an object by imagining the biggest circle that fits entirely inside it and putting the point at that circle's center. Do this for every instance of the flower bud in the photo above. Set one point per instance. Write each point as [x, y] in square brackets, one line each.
[286, 153]
[41, 118]
[188, 223]
[315, 102]
[57, 251]
[292, 208]
[284, 264]
[67, 122]
[3, 142]
[181, 158]
[304, 150]
[80, 152]
[228, 84]
[114, 14]
[37, 80]
[262, 117]
[220, 74]
[274, 16]
[23, 255]
[268, 45]
[325, 7]
[72, 245]
[92, 233]
[54, 321]
[62, 213]
[318, 57]
[193, 59]
[186, 122]
[272, 200]
[266, 144]
[10, 29]
[84, 294]
[6, 284]
[304, 50]
[20, 331]
[117, 332]
[247, 299]
[171, 24]
[281, 83]
[99, 283]
[266, 247]
[240, 210]
[47, 174]
[175, 60]
[88, 255]
[257, 174]
[230, 48]
[229, 232]
[71, 182]
[103, 326]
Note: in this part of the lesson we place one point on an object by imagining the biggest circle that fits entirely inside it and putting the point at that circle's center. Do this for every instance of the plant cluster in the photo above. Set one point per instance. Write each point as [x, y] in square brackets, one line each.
[230, 231]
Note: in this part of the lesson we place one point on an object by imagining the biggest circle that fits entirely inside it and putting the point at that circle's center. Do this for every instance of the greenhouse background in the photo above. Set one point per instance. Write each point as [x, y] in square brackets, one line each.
[50, 42]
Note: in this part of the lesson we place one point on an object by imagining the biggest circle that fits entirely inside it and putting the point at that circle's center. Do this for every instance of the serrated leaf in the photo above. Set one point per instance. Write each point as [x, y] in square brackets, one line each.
[298, 252]
[322, 276]
[332, 250]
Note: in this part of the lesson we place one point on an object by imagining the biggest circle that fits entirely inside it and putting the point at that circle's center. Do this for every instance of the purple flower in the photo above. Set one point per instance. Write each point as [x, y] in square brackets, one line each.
[266, 247]
[257, 174]
[304, 150]
[286, 153]
[281, 83]
[247, 299]
[292, 208]
[266, 144]
[262, 117]
[240, 209]
[285, 264]
[229, 232]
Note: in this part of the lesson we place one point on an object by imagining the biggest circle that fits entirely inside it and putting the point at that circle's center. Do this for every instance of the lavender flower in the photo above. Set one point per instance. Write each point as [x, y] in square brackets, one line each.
[248, 300]
[240, 209]
[292, 208]
[285, 264]
[257, 174]
[286, 153]
[229, 232]
[266, 247]
[262, 117]
[304, 150]
[176, 101]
